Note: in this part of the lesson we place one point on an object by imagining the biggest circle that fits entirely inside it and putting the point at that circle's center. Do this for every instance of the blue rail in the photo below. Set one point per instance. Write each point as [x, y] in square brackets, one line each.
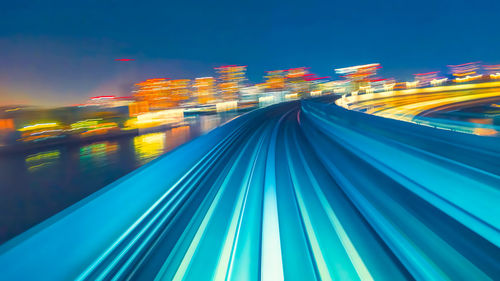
[294, 191]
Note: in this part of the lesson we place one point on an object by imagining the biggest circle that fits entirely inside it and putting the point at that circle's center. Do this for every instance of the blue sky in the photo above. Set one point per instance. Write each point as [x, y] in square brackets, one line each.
[62, 52]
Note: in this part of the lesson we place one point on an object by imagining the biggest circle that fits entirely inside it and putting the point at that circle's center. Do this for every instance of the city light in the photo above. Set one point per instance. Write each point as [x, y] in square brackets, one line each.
[249, 140]
[38, 126]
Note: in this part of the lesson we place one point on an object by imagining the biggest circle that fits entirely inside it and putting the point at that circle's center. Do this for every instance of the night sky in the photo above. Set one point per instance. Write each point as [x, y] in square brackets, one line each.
[62, 52]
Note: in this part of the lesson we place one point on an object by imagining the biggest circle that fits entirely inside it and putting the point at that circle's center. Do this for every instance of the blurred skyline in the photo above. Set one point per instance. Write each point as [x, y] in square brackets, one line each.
[60, 53]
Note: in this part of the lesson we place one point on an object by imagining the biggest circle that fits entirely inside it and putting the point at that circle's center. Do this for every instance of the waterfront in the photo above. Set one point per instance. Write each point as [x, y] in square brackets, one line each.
[36, 185]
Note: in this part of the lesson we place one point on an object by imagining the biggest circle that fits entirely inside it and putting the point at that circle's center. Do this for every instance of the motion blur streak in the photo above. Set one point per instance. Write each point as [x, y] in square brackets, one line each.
[417, 106]
[294, 191]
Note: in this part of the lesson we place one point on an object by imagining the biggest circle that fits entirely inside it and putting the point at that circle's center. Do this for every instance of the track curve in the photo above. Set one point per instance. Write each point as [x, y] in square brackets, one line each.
[296, 191]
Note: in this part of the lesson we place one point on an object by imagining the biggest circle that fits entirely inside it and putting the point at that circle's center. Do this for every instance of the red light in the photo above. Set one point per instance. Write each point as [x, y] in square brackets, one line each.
[102, 97]
[464, 64]
[428, 73]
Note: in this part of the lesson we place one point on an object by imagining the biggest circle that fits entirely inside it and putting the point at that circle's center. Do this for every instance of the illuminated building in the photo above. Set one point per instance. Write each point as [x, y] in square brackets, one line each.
[424, 79]
[465, 69]
[493, 71]
[156, 118]
[438, 81]
[153, 91]
[205, 90]
[249, 95]
[411, 85]
[296, 81]
[275, 80]
[266, 100]
[162, 93]
[6, 128]
[465, 72]
[273, 89]
[288, 84]
[336, 87]
[314, 85]
[179, 90]
[6, 124]
[495, 76]
[139, 107]
[226, 106]
[40, 131]
[399, 85]
[358, 75]
[231, 79]
[389, 85]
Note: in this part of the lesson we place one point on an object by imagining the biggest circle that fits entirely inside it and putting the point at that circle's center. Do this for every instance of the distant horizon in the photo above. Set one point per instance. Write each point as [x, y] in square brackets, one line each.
[63, 52]
[408, 74]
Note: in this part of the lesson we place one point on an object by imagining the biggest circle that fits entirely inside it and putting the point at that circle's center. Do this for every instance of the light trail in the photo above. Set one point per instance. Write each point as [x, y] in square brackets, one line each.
[411, 105]
[295, 191]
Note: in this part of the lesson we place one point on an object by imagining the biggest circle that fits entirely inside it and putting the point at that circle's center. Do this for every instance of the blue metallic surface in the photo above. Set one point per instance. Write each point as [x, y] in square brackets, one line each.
[296, 191]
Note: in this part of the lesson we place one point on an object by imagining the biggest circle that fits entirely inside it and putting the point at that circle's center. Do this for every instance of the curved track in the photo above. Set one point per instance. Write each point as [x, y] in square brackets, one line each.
[291, 192]
[434, 106]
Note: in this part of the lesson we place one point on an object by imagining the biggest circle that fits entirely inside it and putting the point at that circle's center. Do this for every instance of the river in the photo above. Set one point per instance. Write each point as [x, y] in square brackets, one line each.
[37, 185]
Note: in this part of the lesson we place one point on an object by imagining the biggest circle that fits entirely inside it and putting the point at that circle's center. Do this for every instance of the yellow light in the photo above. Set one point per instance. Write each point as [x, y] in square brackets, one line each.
[50, 155]
[405, 106]
[291, 96]
[226, 106]
[38, 126]
[149, 146]
[413, 84]
[438, 82]
[468, 78]
[495, 76]
[83, 124]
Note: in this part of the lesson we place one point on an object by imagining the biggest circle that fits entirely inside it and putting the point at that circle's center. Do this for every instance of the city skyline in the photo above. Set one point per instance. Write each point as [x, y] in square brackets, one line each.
[64, 53]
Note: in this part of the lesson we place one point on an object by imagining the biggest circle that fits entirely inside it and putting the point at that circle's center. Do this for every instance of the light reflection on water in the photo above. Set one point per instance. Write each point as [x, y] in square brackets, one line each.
[149, 146]
[98, 154]
[208, 122]
[39, 160]
[36, 185]
[178, 136]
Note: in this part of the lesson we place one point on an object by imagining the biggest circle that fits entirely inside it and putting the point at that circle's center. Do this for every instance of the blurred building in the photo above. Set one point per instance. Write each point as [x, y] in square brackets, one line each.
[335, 87]
[6, 128]
[231, 80]
[250, 94]
[162, 93]
[359, 75]
[315, 85]
[424, 79]
[204, 90]
[7, 125]
[493, 71]
[465, 72]
[179, 91]
[296, 81]
[275, 80]
[138, 107]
